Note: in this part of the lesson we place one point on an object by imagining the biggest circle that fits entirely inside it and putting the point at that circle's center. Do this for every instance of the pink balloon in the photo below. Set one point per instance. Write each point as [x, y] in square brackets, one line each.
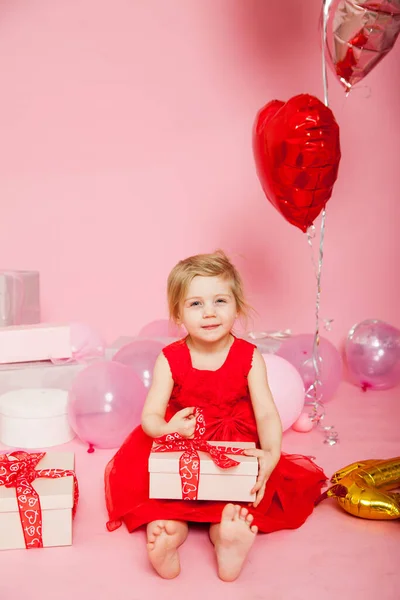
[105, 403]
[162, 328]
[303, 423]
[298, 350]
[86, 342]
[287, 389]
[141, 356]
[373, 355]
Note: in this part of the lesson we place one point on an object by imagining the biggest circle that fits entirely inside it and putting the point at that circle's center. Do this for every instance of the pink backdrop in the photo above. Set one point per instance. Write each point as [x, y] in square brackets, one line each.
[126, 145]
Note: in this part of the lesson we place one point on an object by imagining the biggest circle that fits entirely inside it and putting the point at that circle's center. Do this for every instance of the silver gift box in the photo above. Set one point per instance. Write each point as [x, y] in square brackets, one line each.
[19, 298]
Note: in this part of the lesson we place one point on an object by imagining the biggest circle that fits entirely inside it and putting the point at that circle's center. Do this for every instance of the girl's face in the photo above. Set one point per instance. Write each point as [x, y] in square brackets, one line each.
[209, 308]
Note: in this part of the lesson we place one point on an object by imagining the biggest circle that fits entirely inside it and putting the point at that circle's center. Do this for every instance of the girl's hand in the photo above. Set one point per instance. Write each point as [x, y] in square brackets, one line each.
[266, 464]
[183, 422]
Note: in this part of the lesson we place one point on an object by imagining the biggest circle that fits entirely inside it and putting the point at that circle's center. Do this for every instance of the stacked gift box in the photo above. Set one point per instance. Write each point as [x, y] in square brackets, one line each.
[36, 367]
[33, 416]
[38, 490]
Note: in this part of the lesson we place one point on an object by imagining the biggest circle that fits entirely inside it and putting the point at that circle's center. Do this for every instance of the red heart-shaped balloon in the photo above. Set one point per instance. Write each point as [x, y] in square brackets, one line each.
[297, 152]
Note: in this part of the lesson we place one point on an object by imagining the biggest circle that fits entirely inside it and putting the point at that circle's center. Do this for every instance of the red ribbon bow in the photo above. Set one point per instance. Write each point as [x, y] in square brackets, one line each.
[17, 470]
[189, 462]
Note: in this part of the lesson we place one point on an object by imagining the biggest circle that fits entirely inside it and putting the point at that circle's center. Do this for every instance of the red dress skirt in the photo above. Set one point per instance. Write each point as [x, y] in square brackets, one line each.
[223, 397]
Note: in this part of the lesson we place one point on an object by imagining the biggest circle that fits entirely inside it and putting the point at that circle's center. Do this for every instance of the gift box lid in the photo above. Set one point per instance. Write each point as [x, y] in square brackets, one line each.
[37, 364]
[35, 403]
[54, 493]
[24, 272]
[39, 374]
[168, 462]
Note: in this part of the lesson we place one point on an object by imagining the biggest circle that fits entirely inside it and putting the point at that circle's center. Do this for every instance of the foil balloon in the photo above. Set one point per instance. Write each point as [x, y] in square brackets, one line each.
[360, 33]
[363, 489]
[373, 355]
[297, 153]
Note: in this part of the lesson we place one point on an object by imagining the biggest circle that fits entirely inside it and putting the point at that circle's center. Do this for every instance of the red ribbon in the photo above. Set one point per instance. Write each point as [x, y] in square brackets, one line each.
[189, 462]
[17, 470]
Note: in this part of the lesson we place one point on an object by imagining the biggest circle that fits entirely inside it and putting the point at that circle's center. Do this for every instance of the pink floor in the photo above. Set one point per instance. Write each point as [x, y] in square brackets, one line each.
[333, 555]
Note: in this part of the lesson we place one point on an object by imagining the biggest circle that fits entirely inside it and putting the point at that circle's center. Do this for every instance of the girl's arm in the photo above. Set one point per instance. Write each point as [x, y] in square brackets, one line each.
[155, 406]
[269, 425]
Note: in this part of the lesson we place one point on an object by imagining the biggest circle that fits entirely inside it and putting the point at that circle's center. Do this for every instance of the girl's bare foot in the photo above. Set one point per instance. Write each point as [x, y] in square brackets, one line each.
[163, 540]
[233, 538]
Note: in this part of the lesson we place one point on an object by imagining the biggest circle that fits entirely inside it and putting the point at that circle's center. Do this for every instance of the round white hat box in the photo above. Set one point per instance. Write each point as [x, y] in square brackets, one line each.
[34, 418]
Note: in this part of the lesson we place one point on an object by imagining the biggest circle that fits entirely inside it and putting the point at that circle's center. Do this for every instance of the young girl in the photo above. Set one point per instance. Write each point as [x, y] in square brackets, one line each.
[226, 378]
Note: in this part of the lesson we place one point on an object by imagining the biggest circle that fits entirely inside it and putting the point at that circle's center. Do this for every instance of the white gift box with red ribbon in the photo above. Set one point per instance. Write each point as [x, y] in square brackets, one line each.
[56, 496]
[214, 483]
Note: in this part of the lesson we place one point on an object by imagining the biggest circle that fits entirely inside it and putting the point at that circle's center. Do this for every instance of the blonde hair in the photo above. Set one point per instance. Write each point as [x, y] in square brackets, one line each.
[216, 264]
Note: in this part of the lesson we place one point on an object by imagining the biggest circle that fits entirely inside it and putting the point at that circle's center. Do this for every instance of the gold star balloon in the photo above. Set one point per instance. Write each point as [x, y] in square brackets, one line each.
[365, 489]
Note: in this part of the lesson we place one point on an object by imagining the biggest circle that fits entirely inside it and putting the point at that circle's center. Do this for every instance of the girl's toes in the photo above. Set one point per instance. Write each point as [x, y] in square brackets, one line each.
[254, 529]
[244, 513]
[228, 513]
[249, 519]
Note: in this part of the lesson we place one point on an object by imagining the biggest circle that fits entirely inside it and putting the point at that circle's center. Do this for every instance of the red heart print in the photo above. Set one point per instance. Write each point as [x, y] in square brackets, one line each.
[185, 473]
[32, 516]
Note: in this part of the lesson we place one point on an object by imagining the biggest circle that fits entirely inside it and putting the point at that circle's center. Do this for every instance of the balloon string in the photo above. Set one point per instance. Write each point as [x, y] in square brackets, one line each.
[325, 12]
[313, 397]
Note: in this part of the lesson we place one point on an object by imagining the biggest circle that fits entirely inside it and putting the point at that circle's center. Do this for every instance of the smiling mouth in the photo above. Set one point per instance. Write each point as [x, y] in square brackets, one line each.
[210, 326]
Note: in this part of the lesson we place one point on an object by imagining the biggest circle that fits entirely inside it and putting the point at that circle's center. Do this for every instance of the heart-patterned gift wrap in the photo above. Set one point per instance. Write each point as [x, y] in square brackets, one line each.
[189, 461]
[18, 470]
[297, 153]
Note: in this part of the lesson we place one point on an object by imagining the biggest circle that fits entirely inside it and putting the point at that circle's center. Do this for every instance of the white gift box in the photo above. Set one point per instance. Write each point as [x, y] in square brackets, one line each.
[27, 343]
[56, 500]
[233, 484]
[34, 418]
[39, 374]
[19, 298]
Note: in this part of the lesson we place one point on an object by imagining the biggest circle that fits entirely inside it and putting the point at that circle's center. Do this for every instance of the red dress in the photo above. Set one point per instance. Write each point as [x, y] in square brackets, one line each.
[223, 396]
